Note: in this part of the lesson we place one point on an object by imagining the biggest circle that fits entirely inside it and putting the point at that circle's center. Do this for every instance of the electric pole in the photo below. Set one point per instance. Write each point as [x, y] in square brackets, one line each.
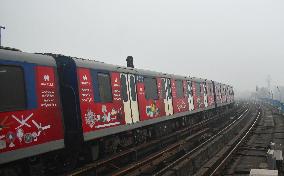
[1, 27]
[280, 96]
[268, 80]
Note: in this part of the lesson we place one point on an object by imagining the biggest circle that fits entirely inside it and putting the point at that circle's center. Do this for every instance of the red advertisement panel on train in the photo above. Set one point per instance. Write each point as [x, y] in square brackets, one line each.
[27, 128]
[99, 115]
[180, 97]
[149, 95]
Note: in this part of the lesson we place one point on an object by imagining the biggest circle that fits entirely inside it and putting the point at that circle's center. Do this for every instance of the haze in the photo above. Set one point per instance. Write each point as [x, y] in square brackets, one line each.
[236, 42]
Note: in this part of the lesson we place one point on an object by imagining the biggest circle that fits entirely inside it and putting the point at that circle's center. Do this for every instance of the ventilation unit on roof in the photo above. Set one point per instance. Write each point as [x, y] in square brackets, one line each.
[129, 61]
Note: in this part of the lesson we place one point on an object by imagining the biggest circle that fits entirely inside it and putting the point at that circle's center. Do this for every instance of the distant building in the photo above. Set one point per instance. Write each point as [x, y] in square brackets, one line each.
[264, 92]
[278, 93]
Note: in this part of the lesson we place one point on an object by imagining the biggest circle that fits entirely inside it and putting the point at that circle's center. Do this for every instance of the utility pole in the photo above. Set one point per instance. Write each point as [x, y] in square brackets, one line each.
[1, 27]
[280, 97]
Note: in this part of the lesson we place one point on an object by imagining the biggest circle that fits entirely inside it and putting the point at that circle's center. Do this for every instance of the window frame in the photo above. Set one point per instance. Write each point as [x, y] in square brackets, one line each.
[189, 92]
[169, 86]
[198, 89]
[25, 107]
[205, 91]
[177, 90]
[109, 82]
[163, 88]
[145, 89]
[123, 91]
[132, 90]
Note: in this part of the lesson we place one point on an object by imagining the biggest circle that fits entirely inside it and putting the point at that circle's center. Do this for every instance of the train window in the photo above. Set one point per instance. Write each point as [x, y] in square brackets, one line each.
[189, 89]
[169, 89]
[132, 88]
[12, 89]
[179, 89]
[205, 88]
[211, 89]
[166, 88]
[198, 89]
[151, 89]
[104, 87]
[124, 88]
[164, 96]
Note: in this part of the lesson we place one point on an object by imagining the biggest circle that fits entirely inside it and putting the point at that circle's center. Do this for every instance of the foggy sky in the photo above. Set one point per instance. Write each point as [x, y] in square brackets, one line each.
[236, 42]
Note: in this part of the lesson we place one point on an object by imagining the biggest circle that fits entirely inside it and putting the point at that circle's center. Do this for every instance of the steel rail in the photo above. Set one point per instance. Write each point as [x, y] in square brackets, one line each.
[168, 167]
[236, 146]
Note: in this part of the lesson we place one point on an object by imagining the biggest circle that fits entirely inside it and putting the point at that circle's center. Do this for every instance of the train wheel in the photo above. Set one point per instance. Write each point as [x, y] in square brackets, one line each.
[15, 169]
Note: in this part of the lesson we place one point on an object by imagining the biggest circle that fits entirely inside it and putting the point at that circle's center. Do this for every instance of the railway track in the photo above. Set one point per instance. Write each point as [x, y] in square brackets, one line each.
[218, 162]
[255, 150]
[232, 148]
[155, 154]
[204, 159]
[192, 161]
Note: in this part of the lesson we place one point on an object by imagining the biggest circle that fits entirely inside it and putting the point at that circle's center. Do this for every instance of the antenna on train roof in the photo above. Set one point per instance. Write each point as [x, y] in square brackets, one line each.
[129, 61]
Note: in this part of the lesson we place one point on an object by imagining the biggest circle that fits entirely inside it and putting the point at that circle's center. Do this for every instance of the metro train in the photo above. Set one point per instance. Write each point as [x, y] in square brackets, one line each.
[56, 109]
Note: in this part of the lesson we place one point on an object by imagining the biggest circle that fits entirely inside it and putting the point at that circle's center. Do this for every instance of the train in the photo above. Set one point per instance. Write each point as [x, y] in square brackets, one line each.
[56, 109]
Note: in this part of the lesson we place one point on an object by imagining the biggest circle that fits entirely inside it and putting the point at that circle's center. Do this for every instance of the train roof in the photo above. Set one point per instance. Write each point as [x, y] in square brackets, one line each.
[48, 60]
[199, 79]
[38, 59]
[93, 64]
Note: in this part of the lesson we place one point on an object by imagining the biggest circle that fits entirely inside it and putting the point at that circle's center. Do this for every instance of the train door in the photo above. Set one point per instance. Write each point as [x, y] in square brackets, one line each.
[190, 96]
[168, 101]
[128, 85]
[205, 95]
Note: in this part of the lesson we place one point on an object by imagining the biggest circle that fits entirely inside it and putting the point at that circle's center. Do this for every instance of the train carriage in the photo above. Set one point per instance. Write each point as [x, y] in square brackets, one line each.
[99, 100]
[224, 94]
[30, 109]
[113, 99]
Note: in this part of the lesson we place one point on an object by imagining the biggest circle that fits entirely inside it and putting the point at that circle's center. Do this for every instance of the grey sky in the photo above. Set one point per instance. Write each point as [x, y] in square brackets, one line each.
[236, 42]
